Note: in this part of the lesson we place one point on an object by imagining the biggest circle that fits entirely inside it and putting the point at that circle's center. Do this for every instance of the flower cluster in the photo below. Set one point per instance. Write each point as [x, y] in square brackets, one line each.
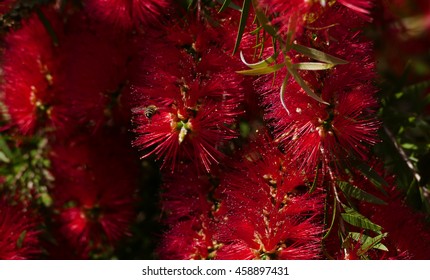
[202, 129]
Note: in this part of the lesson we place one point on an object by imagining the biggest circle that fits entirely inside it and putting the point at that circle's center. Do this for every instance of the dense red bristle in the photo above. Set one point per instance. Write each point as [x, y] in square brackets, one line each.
[94, 201]
[19, 236]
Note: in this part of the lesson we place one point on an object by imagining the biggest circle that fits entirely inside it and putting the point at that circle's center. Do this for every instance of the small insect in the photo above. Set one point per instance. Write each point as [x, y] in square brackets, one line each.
[148, 111]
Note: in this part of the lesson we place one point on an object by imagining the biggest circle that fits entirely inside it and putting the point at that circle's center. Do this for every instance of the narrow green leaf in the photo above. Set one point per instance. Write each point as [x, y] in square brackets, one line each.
[312, 66]
[381, 246]
[353, 191]
[5, 148]
[262, 71]
[318, 55]
[314, 183]
[368, 243]
[20, 239]
[261, 64]
[4, 158]
[356, 219]
[263, 20]
[333, 218]
[416, 88]
[409, 146]
[189, 3]
[242, 23]
[46, 199]
[256, 30]
[304, 85]
[372, 175]
[47, 26]
[230, 5]
[224, 6]
[282, 93]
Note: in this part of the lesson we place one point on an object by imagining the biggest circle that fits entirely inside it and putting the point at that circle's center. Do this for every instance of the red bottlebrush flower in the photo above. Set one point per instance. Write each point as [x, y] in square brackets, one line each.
[188, 99]
[265, 211]
[94, 190]
[127, 14]
[290, 16]
[189, 208]
[30, 65]
[313, 132]
[18, 233]
[94, 67]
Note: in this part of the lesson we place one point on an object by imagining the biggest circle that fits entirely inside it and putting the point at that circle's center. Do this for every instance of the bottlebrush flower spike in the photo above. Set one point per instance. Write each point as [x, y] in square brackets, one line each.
[290, 16]
[18, 233]
[268, 212]
[30, 66]
[94, 68]
[188, 98]
[94, 190]
[127, 14]
[312, 132]
[189, 208]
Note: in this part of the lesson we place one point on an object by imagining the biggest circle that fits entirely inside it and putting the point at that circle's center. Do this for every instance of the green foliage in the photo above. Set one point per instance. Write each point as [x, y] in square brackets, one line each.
[25, 171]
[354, 218]
[355, 192]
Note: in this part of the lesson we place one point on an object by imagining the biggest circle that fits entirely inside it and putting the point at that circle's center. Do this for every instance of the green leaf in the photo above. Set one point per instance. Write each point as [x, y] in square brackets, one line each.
[312, 66]
[304, 85]
[20, 239]
[228, 3]
[260, 64]
[409, 146]
[48, 26]
[224, 6]
[314, 183]
[46, 199]
[353, 191]
[4, 158]
[318, 55]
[262, 71]
[242, 23]
[5, 148]
[333, 218]
[416, 88]
[263, 20]
[282, 93]
[372, 175]
[368, 243]
[356, 219]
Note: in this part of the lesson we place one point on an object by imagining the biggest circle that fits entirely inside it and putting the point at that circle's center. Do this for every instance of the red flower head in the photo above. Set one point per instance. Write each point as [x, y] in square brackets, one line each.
[127, 14]
[342, 129]
[18, 233]
[93, 69]
[188, 98]
[265, 210]
[290, 16]
[95, 185]
[189, 207]
[30, 65]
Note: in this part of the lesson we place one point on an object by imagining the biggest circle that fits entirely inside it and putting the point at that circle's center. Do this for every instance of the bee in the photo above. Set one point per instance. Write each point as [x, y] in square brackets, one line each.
[148, 111]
